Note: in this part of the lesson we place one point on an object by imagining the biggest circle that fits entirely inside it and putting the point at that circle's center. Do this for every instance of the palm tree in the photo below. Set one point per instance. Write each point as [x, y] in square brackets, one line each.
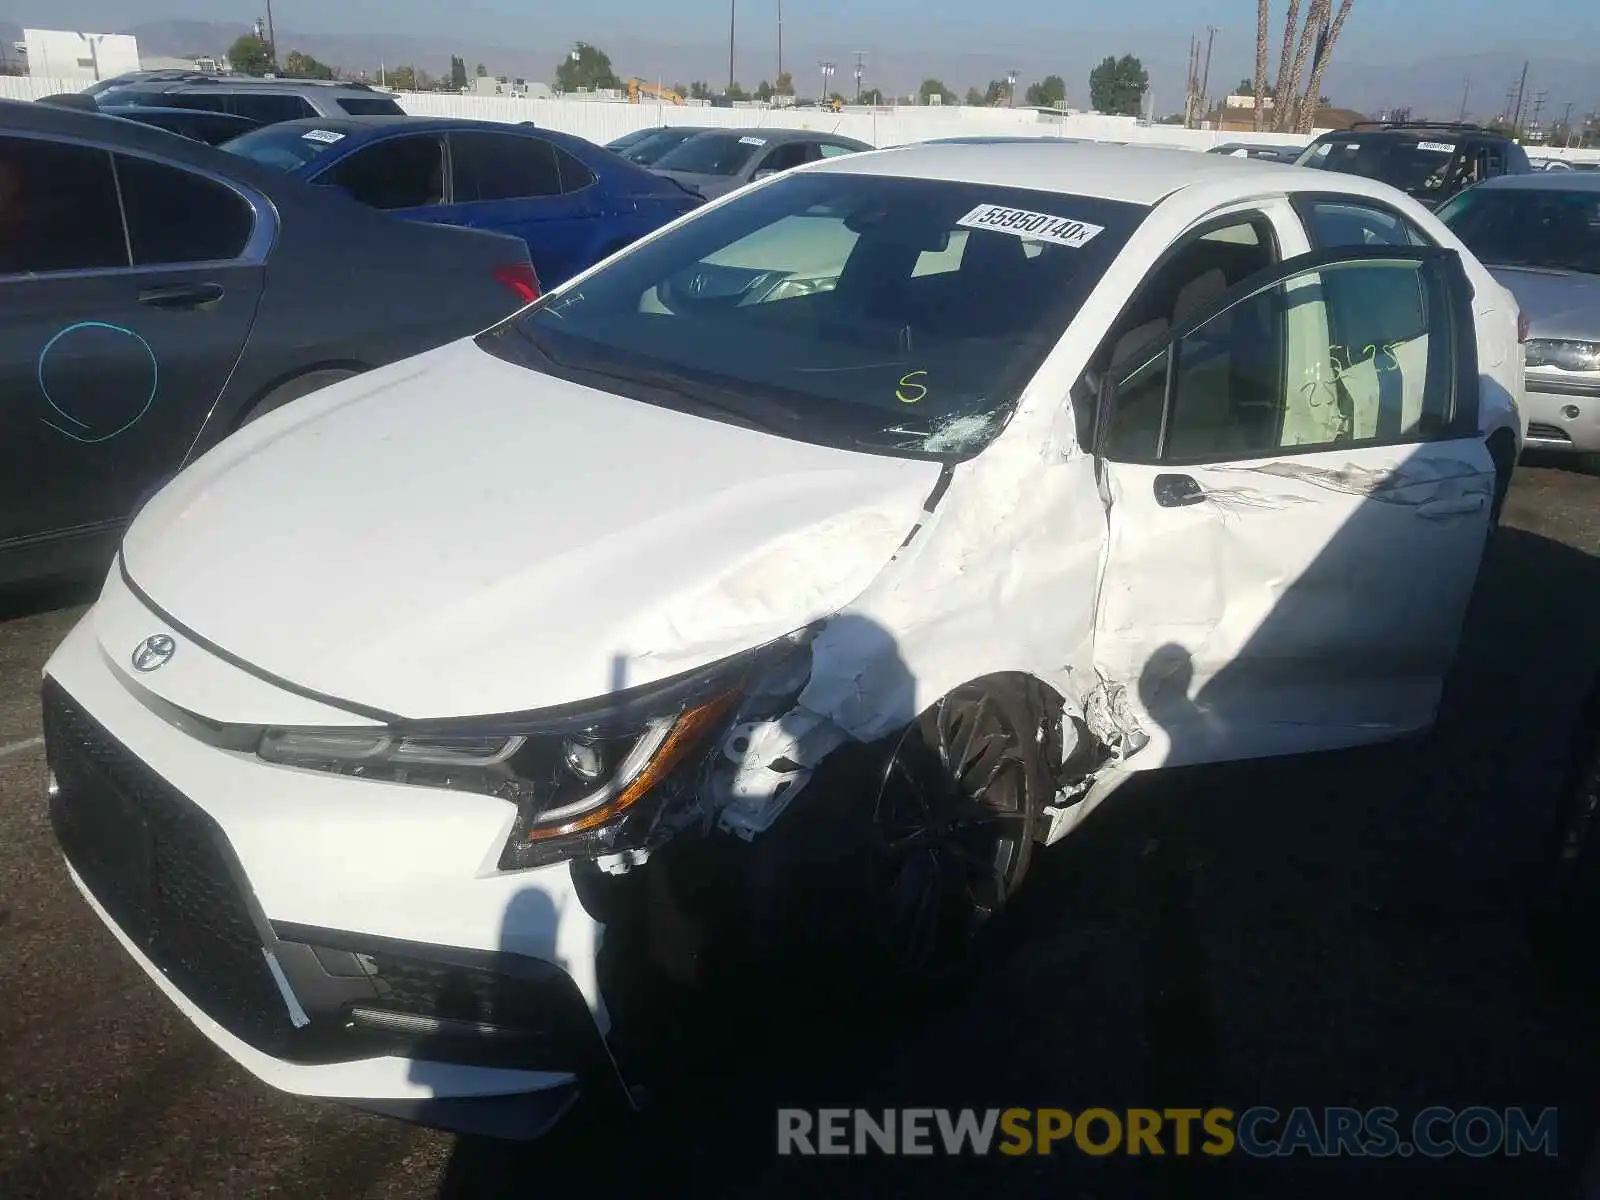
[1263, 12]
[1290, 25]
[1314, 88]
[1289, 106]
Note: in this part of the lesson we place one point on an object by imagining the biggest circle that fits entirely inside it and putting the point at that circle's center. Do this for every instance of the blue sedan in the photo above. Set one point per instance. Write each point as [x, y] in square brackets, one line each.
[570, 200]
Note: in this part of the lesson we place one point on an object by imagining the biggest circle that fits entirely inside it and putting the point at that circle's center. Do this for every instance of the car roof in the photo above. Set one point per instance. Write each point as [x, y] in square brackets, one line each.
[1546, 181]
[1444, 129]
[770, 134]
[200, 81]
[1133, 174]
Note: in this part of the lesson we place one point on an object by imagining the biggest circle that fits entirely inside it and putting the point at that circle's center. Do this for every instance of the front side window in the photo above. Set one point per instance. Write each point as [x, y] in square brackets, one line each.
[497, 166]
[712, 154]
[786, 156]
[58, 209]
[176, 216]
[1356, 353]
[405, 172]
[1524, 227]
[832, 308]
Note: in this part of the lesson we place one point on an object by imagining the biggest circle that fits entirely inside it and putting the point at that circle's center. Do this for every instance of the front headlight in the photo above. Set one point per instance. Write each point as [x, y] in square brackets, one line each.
[1568, 355]
[585, 779]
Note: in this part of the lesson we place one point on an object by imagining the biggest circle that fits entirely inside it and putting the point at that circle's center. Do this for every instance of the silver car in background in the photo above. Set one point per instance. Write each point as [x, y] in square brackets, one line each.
[1539, 235]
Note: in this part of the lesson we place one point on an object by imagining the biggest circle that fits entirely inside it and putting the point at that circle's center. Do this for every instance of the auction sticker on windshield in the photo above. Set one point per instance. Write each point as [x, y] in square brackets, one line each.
[327, 136]
[752, 141]
[1044, 227]
[1441, 147]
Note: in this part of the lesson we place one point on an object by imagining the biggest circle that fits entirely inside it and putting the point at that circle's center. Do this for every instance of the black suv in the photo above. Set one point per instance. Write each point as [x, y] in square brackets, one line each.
[1430, 161]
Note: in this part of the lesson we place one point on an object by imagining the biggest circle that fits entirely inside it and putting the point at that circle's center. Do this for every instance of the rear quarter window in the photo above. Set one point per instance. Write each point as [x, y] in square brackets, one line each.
[375, 106]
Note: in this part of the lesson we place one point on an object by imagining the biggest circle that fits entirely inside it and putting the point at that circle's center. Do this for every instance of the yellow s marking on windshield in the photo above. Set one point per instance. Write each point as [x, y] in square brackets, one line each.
[910, 391]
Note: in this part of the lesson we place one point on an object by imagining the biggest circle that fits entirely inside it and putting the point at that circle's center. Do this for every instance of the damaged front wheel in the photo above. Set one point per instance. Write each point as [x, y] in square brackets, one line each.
[886, 869]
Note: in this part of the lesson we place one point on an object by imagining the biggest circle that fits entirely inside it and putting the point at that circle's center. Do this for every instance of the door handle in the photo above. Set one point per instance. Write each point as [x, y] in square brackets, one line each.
[182, 295]
[1176, 491]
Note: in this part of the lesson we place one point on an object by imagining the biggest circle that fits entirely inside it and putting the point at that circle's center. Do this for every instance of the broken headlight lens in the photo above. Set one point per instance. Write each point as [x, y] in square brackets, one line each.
[585, 780]
[1567, 355]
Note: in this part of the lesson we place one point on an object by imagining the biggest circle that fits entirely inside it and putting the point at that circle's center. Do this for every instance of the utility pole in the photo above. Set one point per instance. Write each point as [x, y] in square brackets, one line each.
[272, 41]
[1189, 86]
[1522, 91]
[1538, 107]
[780, 39]
[732, 5]
[827, 69]
[1466, 90]
[1205, 76]
[1011, 87]
[1566, 124]
[861, 56]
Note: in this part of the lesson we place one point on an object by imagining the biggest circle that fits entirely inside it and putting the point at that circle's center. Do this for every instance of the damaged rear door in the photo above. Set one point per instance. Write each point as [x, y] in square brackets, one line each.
[1298, 501]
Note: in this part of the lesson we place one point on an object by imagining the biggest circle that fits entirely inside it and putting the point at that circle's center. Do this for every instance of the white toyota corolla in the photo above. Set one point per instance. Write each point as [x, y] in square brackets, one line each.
[871, 525]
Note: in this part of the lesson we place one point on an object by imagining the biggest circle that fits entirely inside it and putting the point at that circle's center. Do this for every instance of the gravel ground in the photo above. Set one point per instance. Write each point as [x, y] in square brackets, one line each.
[1344, 930]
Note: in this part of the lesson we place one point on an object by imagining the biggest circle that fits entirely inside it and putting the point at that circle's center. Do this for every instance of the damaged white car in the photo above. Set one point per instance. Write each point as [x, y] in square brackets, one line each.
[870, 524]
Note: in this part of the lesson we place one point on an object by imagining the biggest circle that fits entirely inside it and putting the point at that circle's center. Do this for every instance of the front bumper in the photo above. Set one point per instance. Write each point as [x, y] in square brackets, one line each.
[1562, 415]
[337, 937]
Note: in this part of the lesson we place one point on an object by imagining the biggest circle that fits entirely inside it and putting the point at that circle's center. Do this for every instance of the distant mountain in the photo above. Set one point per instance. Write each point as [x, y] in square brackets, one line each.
[1430, 85]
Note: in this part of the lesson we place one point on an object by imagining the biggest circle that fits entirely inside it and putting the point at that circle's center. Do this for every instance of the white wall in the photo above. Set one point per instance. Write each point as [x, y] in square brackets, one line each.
[80, 57]
[600, 121]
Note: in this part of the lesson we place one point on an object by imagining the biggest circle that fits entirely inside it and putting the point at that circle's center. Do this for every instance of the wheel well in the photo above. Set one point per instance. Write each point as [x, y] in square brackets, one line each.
[247, 411]
[1503, 452]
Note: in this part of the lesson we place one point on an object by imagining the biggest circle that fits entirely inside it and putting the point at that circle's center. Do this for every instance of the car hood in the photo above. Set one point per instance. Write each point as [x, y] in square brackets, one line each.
[708, 186]
[456, 535]
[1558, 304]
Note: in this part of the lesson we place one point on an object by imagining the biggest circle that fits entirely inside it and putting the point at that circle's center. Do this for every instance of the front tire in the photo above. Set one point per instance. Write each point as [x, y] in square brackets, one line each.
[887, 869]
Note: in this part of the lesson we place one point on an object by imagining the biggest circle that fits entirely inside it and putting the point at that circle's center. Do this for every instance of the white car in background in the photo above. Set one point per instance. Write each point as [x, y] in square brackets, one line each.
[873, 523]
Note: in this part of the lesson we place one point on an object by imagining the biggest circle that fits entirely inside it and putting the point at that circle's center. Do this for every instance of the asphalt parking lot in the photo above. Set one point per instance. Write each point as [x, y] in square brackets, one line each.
[1349, 930]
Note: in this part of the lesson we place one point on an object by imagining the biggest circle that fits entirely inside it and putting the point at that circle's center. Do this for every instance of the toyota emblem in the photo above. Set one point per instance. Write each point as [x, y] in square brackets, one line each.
[154, 652]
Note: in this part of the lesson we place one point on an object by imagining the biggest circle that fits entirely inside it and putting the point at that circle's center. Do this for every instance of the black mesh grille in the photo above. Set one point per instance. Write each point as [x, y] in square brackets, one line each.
[1552, 433]
[164, 871]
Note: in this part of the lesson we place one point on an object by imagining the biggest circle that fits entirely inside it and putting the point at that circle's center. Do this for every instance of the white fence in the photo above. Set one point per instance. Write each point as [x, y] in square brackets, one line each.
[600, 121]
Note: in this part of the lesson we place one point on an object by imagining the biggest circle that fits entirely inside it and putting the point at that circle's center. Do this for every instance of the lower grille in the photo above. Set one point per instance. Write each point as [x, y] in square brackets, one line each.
[1548, 433]
[164, 872]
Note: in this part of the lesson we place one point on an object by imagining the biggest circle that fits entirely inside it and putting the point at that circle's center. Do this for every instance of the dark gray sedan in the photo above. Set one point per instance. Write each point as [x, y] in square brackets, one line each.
[1540, 236]
[720, 160]
[156, 294]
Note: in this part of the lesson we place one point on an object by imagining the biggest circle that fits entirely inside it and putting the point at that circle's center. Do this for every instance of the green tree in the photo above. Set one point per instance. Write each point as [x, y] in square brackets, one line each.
[249, 55]
[303, 66]
[764, 92]
[974, 96]
[1117, 86]
[1247, 87]
[483, 71]
[1049, 92]
[783, 85]
[458, 73]
[935, 87]
[403, 78]
[875, 96]
[735, 92]
[699, 90]
[586, 67]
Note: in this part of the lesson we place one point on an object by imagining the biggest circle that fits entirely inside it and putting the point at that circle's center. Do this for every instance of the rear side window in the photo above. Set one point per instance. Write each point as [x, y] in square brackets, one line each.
[268, 107]
[176, 216]
[1334, 224]
[201, 101]
[58, 209]
[575, 176]
[405, 172]
[376, 106]
[495, 166]
[834, 150]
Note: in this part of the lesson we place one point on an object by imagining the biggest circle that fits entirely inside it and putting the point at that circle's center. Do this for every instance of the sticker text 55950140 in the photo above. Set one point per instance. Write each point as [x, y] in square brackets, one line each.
[1044, 227]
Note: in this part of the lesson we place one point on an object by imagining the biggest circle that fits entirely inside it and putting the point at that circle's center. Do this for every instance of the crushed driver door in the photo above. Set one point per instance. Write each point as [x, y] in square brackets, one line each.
[1298, 499]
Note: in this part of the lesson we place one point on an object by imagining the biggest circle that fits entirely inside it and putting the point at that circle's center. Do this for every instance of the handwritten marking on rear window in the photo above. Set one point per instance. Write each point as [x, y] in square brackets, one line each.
[1037, 226]
[910, 391]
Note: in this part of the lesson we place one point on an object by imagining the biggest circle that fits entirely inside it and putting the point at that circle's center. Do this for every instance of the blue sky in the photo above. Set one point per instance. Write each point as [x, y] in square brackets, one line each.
[1378, 30]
